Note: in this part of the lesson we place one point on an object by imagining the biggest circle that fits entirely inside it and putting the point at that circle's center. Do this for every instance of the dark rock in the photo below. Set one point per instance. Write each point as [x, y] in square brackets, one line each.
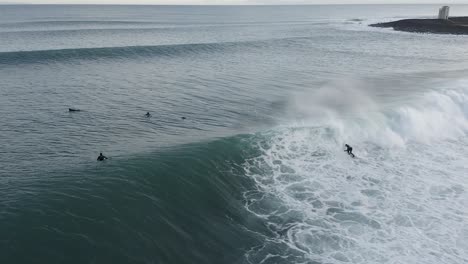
[454, 25]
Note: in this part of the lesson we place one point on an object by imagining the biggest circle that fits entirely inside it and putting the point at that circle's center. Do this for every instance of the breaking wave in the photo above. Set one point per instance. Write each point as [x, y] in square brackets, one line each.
[399, 201]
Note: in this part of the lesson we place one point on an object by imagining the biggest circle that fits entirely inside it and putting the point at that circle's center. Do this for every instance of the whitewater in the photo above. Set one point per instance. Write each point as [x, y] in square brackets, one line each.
[255, 171]
[401, 200]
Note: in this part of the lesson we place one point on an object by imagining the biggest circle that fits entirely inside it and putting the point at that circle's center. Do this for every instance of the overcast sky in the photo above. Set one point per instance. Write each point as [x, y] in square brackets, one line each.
[231, 2]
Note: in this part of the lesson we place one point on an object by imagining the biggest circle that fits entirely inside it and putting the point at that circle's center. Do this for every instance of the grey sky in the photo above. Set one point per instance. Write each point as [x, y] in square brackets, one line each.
[233, 2]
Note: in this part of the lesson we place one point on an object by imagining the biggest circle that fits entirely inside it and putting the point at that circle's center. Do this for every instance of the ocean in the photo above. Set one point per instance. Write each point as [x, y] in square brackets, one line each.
[242, 158]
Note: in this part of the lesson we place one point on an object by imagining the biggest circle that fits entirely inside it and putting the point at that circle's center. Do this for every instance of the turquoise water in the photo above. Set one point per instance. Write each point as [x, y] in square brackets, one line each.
[256, 171]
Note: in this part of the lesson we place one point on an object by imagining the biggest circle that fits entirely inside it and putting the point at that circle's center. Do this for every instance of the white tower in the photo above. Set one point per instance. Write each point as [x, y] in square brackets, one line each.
[444, 12]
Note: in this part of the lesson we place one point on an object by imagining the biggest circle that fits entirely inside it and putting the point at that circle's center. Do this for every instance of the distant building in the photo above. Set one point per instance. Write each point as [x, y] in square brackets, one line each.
[444, 12]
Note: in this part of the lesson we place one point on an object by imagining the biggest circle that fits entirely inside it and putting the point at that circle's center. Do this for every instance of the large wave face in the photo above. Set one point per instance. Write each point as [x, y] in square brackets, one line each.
[177, 206]
[400, 201]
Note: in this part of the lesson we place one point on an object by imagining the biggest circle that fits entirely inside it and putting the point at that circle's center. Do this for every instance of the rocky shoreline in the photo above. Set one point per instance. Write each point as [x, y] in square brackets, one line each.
[454, 25]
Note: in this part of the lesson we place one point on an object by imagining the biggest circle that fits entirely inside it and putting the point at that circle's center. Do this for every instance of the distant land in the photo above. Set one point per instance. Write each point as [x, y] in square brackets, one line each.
[454, 25]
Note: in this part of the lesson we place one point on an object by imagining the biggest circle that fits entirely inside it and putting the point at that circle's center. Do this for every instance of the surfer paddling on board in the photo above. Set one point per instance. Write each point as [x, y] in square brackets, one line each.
[101, 157]
[349, 149]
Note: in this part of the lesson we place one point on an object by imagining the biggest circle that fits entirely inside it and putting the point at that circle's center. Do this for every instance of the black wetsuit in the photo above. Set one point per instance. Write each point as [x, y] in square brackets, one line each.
[101, 157]
[349, 149]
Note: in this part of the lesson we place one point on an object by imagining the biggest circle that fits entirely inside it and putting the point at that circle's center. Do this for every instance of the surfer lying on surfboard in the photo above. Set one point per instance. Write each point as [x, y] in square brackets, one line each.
[349, 149]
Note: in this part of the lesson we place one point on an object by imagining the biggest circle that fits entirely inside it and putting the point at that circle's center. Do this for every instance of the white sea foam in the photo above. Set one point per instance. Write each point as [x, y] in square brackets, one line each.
[402, 200]
[355, 116]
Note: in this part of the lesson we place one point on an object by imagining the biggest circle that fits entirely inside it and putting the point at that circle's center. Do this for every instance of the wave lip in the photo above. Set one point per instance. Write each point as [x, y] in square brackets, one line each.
[357, 117]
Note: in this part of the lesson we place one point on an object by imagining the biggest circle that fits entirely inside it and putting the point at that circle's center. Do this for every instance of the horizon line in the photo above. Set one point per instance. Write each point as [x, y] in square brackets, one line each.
[117, 4]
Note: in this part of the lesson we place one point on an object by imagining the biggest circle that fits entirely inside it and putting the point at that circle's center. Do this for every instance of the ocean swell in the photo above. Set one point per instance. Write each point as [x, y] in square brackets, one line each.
[66, 55]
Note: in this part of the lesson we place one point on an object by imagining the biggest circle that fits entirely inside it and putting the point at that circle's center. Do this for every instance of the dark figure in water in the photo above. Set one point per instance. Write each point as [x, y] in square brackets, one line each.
[183, 118]
[73, 110]
[349, 149]
[101, 157]
[148, 114]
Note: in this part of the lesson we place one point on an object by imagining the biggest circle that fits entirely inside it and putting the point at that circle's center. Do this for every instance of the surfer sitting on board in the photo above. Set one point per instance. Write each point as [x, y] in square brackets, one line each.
[101, 157]
[349, 149]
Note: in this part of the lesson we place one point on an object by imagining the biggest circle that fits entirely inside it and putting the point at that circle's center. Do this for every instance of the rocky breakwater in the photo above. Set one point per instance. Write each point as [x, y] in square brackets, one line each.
[453, 25]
